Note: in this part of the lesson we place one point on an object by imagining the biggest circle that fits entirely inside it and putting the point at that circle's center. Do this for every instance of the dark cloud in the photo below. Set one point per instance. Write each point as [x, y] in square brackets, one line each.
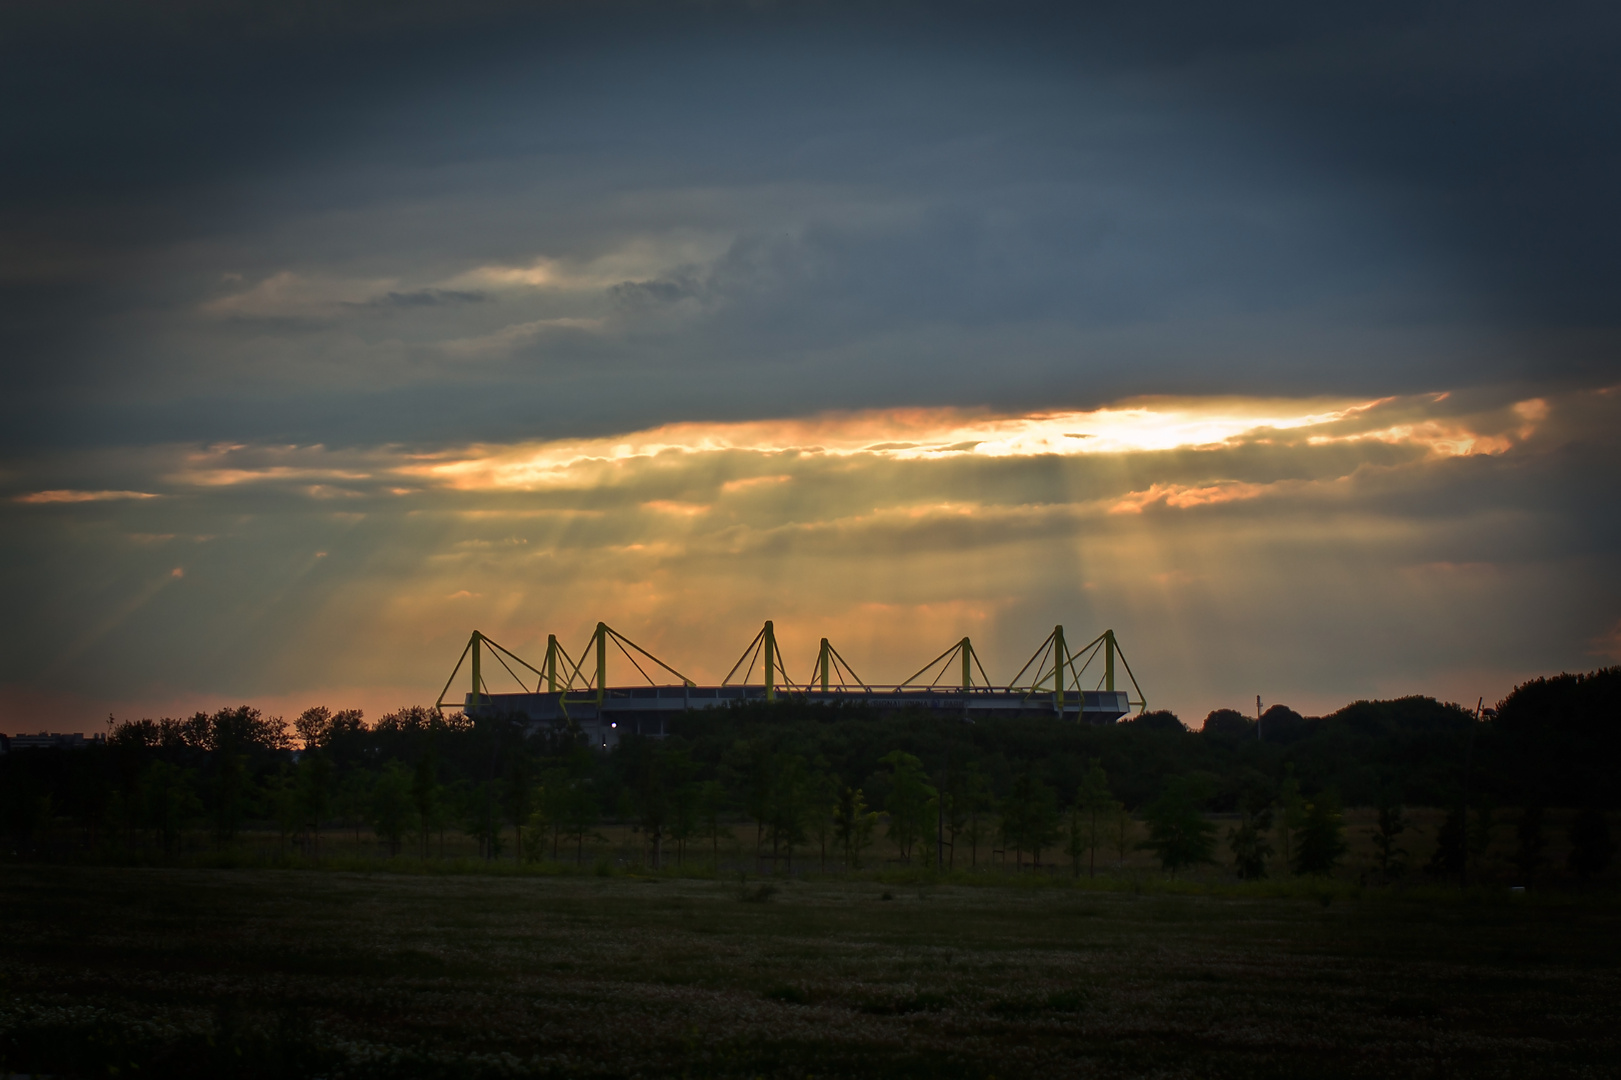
[327, 230]
[420, 298]
[1108, 198]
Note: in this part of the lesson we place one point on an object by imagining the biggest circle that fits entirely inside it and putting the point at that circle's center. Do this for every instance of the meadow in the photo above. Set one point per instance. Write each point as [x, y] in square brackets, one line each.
[191, 971]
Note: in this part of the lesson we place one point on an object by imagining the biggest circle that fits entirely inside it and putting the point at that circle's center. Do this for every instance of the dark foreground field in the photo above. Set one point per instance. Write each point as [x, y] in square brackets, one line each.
[250, 972]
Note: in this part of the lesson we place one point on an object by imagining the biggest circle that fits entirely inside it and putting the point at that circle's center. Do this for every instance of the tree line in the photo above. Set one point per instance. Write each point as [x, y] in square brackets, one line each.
[824, 787]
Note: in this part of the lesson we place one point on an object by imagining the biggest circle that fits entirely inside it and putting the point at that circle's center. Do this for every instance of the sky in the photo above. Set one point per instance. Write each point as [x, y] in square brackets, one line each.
[1281, 342]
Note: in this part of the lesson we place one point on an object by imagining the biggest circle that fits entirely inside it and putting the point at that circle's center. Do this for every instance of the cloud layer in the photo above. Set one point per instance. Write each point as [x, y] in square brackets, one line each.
[1236, 546]
[1276, 340]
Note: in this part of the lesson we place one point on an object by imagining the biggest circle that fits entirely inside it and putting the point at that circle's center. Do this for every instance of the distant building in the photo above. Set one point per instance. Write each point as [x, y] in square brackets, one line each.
[46, 739]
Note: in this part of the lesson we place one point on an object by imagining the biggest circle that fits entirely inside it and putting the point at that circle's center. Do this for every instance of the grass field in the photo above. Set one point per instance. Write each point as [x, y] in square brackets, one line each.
[181, 972]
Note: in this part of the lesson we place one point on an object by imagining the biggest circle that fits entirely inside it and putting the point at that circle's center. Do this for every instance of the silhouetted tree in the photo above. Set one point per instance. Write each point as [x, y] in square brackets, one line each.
[822, 795]
[518, 797]
[231, 793]
[285, 803]
[1291, 815]
[1030, 817]
[1229, 723]
[425, 798]
[581, 808]
[1177, 832]
[1529, 843]
[169, 802]
[1451, 846]
[1482, 831]
[853, 824]
[908, 801]
[1591, 847]
[685, 812]
[1322, 838]
[354, 800]
[1122, 833]
[1247, 840]
[788, 807]
[315, 782]
[313, 727]
[747, 771]
[391, 805]
[1092, 802]
[975, 797]
[711, 804]
[1389, 857]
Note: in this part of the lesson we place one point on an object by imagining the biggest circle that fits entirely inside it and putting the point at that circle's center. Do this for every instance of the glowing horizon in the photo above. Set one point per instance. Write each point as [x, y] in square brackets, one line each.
[892, 532]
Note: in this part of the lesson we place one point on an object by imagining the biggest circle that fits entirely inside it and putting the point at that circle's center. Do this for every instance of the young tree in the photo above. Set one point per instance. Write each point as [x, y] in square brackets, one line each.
[957, 809]
[1248, 841]
[1010, 827]
[853, 825]
[1530, 842]
[1322, 837]
[282, 798]
[1591, 847]
[684, 815]
[711, 805]
[1389, 856]
[976, 804]
[1177, 832]
[353, 803]
[481, 816]
[315, 783]
[787, 807]
[539, 825]
[1481, 832]
[1122, 833]
[823, 804]
[425, 798]
[749, 765]
[1451, 846]
[391, 805]
[1250, 848]
[645, 768]
[908, 802]
[1291, 815]
[581, 812]
[231, 792]
[552, 802]
[169, 803]
[1035, 819]
[517, 797]
[1092, 802]
[1075, 837]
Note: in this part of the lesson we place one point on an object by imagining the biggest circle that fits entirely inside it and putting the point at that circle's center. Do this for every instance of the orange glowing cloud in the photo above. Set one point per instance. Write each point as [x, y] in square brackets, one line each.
[1182, 496]
[1198, 426]
[68, 496]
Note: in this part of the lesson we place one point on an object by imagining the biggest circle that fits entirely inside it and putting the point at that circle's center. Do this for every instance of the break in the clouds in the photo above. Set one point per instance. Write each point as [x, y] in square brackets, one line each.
[1236, 546]
[1275, 339]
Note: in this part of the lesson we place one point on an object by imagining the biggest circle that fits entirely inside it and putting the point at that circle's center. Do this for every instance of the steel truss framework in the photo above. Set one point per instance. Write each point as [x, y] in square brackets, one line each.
[1053, 678]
